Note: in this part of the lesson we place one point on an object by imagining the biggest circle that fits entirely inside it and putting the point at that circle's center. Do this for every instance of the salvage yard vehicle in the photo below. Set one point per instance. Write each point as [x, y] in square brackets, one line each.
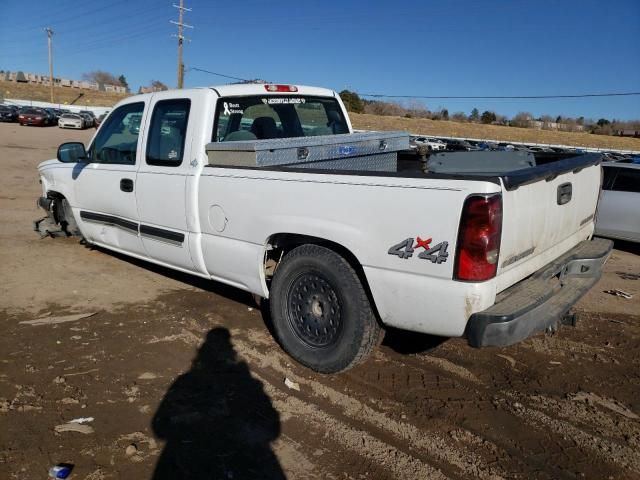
[34, 116]
[8, 114]
[71, 120]
[619, 208]
[431, 143]
[266, 188]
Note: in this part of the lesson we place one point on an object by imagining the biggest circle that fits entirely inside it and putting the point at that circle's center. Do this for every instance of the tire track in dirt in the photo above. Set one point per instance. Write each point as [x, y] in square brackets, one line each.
[360, 442]
[515, 448]
[428, 444]
[625, 457]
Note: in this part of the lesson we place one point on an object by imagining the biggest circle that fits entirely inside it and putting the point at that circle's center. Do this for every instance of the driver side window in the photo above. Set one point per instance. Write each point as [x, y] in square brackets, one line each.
[117, 140]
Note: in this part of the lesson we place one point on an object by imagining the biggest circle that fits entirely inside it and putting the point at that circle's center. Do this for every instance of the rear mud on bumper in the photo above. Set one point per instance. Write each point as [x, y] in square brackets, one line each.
[542, 300]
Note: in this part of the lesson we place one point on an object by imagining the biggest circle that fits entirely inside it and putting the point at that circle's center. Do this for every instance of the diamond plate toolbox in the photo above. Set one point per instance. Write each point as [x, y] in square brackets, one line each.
[374, 151]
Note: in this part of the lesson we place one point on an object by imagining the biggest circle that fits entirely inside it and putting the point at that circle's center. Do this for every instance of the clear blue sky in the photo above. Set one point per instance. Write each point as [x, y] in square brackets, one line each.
[429, 47]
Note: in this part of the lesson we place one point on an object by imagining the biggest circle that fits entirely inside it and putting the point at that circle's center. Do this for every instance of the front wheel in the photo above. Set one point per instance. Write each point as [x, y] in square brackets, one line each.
[321, 313]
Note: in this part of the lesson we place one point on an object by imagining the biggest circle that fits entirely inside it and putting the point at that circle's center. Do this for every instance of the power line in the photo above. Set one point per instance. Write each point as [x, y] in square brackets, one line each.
[494, 97]
[220, 74]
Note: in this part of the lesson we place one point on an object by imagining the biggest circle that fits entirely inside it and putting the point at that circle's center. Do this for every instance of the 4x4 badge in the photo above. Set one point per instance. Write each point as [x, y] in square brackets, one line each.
[405, 249]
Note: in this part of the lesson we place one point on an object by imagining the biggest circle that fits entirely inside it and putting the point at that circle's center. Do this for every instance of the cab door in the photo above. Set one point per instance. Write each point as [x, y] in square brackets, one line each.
[105, 187]
[163, 177]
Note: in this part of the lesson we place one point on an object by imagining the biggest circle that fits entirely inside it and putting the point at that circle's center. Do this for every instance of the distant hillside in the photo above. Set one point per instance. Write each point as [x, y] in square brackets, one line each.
[62, 95]
[491, 132]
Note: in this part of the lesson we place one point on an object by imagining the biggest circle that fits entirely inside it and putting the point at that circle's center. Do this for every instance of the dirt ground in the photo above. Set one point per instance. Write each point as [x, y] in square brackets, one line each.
[183, 379]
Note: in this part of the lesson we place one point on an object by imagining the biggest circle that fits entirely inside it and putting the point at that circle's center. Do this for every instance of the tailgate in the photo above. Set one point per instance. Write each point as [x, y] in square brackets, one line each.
[547, 210]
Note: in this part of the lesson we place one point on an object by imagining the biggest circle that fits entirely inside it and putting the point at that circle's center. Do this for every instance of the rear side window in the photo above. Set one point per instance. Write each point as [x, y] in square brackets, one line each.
[627, 180]
[167, 132]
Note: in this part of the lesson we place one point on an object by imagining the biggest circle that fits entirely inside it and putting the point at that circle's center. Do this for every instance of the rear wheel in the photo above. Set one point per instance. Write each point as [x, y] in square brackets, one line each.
[321, 313]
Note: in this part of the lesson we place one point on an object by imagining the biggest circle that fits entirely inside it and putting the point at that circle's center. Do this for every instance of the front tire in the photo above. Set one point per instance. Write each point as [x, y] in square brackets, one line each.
[321, 314]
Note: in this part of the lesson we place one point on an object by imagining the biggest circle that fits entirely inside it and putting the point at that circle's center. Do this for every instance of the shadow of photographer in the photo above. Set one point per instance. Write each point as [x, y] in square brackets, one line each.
[217, 421]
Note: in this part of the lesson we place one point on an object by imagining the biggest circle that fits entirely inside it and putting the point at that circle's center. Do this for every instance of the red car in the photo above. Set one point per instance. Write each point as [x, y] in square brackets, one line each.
[34, 116]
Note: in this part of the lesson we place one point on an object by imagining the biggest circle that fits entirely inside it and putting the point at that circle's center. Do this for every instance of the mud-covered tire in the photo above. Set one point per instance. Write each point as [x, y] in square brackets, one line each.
[320, 310]
[69, 224]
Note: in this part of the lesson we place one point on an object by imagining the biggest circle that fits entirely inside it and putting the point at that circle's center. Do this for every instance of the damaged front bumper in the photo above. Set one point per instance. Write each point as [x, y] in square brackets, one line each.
[541, 301]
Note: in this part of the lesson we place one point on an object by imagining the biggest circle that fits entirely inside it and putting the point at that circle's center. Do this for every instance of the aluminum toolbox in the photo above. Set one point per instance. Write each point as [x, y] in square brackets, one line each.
[375, 151]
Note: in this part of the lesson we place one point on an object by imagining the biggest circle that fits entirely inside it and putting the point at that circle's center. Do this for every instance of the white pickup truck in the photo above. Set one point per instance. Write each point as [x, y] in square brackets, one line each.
[339, 251]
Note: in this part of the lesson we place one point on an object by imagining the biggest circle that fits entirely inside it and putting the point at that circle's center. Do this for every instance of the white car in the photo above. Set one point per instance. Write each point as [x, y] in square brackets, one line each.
[250, 185]
[432, 143]
[619, 207]
[71, 120]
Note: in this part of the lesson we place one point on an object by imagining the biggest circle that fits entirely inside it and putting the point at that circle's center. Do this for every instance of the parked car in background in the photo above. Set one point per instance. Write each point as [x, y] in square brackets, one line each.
[71, 120]
[88, 119]
[619, 207]
[91, 116]
[101, 118]
[537, 149]
[431, 143]
[460, 146]
[34, 116]
[8, 114]
[54, 113]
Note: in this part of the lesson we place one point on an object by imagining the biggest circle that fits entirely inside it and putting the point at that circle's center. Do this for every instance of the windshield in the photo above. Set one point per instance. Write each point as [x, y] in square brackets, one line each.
[277, 116]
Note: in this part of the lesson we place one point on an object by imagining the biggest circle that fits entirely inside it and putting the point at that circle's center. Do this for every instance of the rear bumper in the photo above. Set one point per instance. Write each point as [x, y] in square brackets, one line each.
[542, 300]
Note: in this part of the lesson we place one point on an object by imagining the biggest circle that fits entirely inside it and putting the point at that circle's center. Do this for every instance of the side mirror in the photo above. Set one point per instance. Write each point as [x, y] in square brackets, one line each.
[72, 152]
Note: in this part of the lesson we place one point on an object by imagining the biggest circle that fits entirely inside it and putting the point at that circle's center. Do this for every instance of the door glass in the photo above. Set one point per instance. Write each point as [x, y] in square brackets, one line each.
[627, 180]
[165, 146]
[117, 140]
[608, 174]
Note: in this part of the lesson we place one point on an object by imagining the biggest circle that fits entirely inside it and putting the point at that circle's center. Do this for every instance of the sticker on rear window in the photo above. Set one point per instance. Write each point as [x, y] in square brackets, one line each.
[232, 108]
[283, 101]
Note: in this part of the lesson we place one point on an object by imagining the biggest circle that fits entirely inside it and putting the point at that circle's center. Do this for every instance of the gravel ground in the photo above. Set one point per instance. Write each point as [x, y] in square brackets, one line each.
[183, 379]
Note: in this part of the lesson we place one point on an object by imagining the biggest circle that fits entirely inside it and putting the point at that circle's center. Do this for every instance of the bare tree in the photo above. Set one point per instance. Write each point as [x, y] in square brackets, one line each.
[522, 120]
[459, 117]
[100, 76]
[157, 85]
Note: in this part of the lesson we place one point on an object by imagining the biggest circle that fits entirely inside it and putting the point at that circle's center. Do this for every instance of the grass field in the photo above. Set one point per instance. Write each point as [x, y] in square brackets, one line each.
[491, 132]
[62, 95]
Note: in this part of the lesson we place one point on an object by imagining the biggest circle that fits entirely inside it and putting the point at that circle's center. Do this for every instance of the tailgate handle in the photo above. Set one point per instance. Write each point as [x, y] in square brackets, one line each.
[564, 193]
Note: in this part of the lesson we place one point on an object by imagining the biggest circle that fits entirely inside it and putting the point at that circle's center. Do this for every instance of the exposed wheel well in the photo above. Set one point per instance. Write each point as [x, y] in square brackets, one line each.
[279, 244]
[59, 213]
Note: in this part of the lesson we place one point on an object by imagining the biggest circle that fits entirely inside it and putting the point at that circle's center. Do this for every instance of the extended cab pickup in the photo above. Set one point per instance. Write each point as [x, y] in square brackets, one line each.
[340, 250]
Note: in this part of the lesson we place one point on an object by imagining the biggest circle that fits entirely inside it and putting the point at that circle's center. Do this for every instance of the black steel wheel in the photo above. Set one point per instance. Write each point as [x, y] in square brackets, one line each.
[314, 310]
[321, 313]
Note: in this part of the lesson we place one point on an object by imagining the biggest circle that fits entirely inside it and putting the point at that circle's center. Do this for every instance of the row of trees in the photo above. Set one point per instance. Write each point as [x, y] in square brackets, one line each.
[355, 103]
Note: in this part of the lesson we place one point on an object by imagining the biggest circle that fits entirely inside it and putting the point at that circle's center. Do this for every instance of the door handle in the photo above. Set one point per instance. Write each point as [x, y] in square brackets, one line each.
[126, 185]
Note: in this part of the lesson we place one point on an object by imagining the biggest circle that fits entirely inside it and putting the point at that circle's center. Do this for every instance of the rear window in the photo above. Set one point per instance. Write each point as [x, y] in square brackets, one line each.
[277, 116]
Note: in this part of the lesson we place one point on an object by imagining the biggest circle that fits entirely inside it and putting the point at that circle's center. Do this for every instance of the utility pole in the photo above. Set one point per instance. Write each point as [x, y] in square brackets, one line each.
[181, 25]
[49, 35]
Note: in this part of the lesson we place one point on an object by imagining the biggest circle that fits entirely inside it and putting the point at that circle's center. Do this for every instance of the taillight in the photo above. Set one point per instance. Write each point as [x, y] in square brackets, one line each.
[479, 238]
[281, 88]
